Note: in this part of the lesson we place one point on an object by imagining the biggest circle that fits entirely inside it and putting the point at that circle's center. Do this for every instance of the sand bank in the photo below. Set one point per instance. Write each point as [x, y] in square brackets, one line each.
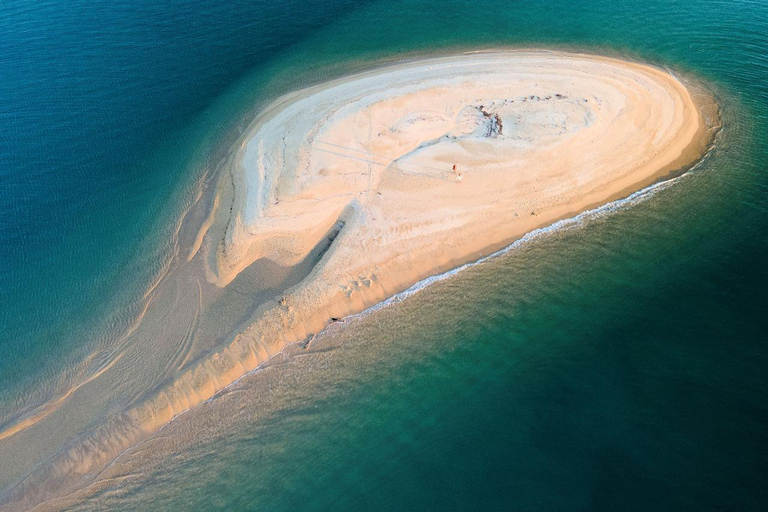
[397, 174]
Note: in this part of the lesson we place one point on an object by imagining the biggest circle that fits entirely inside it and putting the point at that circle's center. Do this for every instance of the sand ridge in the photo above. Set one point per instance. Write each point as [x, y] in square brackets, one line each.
[367, 164]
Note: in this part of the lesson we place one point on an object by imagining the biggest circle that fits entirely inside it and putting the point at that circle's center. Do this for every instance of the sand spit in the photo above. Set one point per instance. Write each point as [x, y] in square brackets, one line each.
[406, 171]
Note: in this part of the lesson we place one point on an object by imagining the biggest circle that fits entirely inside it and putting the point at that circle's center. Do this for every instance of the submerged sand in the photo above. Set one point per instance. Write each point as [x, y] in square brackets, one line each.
[386, 178]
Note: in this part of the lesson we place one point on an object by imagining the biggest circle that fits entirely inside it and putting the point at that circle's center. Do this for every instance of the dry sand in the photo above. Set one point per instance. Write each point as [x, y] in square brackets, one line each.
[367, 162]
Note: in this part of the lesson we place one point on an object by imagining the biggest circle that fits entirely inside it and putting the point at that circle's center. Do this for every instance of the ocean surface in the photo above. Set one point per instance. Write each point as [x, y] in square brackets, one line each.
[619, 363]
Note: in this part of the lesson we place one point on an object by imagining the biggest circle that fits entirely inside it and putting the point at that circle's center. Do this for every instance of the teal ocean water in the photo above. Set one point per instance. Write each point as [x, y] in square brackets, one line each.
[618, 364]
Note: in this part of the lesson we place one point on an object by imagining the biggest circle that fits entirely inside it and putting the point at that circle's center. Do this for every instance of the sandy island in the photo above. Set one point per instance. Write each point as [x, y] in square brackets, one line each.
[401, 173]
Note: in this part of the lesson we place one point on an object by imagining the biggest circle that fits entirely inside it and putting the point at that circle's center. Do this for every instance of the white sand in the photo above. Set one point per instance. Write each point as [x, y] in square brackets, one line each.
[547, 133]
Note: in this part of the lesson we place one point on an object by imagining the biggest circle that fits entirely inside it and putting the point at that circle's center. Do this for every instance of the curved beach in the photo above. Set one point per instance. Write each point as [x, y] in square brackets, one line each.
[389, 177]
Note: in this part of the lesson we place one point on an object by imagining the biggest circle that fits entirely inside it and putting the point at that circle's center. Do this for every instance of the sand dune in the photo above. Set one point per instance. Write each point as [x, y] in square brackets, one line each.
[367, 163]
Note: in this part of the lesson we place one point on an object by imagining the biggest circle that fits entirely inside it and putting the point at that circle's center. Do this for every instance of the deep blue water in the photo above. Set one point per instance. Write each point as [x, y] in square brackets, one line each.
[619, 366]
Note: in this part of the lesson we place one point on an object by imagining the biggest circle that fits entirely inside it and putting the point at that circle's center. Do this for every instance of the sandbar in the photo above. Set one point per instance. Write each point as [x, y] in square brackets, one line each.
[398, 174]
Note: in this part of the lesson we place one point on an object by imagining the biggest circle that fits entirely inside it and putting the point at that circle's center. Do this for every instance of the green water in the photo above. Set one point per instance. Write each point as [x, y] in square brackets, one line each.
[616, 365]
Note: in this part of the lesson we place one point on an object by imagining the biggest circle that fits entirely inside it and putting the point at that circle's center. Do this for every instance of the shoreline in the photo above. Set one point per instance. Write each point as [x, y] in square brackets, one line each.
[280, 325]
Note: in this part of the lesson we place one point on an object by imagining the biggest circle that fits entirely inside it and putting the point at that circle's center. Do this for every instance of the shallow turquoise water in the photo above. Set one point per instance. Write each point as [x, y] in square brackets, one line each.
[619, 365]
